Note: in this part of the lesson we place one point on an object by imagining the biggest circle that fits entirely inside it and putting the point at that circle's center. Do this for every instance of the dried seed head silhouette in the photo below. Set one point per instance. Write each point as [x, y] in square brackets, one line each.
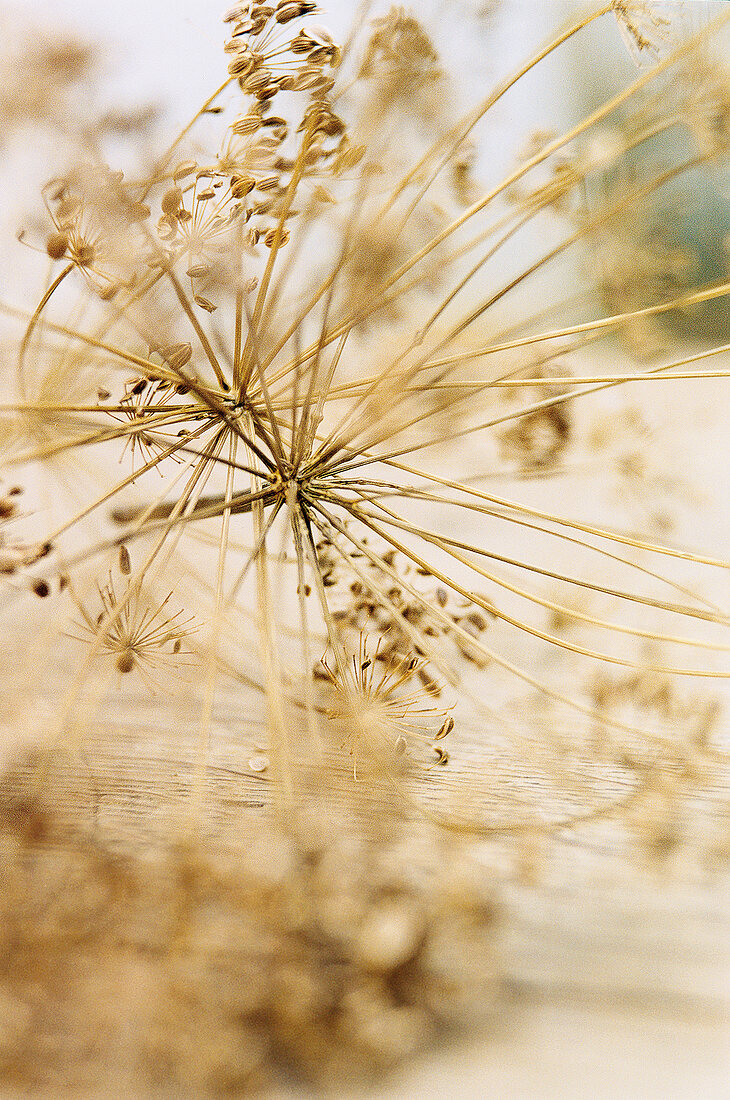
[300, 350]
[324, 443]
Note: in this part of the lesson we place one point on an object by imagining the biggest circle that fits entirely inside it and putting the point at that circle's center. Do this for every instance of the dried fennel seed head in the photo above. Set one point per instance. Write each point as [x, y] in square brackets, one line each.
[275, 328]
[380, 712]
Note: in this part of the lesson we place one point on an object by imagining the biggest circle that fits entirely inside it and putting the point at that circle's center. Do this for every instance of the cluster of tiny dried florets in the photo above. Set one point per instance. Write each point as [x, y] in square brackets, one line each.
[314, 951]
[128, 627]
[640, 266]
[634, 261]
[559, 185]
[643, 28]
[161, 398]
[707, 115]
[670, 780]
[402, 64]
[402, 623]
[612, 197]
[402, 90]
[16, 555]
[248, 183]
[99, 219]
[260, 62]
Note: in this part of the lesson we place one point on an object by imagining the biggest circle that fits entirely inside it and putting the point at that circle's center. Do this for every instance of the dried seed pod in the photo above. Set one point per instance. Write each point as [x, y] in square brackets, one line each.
[321, 194]
[125, 563]
[274, 122]
[183, 169]
[241, 186]
[68, 210]
[472, 653]
[8, 563]
[107, 292]
[83, 254]
[290, 9]
[477, 620]
[247, 124]
[241, 66]
[167, 227]
[56, 189]
[172, 200]
[257, 80]
[271, 234]
[125, 660]
[137, 211]
[177, 355]
[57, 245]
[313, 154]
[204, 303]
[310, 78]
[350, 157]
[265, 95]
[235, 13]
[446, 729]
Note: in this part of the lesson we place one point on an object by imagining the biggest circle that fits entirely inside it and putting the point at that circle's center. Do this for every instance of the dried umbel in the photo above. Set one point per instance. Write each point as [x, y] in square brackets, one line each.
[137, 633]
[96, 218]
[301, 359]
[539, 440]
